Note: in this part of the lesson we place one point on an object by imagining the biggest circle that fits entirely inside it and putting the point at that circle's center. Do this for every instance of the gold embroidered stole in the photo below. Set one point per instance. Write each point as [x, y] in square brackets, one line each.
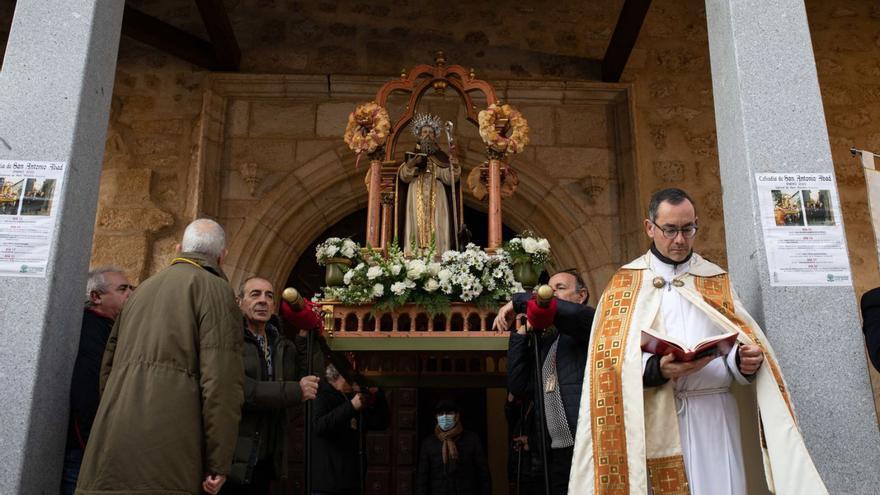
[717, 293]
[606, 386]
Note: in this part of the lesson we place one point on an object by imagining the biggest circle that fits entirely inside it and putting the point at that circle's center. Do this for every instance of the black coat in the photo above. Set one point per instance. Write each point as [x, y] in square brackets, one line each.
[335, 440]
[871, 324]
[572, 327]
[84, 386]
[469, 475]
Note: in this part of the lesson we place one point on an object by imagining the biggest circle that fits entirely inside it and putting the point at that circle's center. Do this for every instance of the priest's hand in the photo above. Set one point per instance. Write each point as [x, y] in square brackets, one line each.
[504, 318]
[672, 369]
[750, 359]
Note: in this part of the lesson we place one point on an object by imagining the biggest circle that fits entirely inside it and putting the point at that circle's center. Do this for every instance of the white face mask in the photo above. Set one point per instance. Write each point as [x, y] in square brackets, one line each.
[446, 421]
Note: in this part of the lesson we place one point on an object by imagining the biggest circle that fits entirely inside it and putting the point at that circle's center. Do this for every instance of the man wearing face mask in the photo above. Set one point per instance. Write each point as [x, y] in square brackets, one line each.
[452, 460]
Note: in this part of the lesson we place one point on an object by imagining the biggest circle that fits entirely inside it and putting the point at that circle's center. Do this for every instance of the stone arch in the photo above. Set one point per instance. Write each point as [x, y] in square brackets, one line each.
[327, 188]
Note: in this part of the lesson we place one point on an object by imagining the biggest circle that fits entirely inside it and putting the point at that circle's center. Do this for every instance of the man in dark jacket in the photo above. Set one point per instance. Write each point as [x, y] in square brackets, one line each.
[871, 324]
[275, 378]
[171, 380]
[452, 460]
[563, 350]
[342, 416]
[107, 290]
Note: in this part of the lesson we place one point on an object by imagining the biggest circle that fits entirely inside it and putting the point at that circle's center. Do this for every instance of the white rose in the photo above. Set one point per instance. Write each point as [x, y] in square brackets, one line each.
[415, 269]
[398, 288]
[444, 275]
[347, 277]
[433, 269]
[431, 285]
[331, 251]
[395, 269]
[374, 272]
[530, 245]
[544, 246]
[378, 290]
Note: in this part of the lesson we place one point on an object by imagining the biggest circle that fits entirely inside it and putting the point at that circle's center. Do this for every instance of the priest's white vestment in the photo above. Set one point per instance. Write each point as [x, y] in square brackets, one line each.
[681, 437]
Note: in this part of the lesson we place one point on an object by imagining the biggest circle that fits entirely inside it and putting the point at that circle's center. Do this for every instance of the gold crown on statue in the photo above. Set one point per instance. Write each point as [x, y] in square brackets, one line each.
[425, 119]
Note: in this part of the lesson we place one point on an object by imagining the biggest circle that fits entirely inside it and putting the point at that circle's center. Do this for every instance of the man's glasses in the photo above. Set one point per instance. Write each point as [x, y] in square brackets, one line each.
[671, 233]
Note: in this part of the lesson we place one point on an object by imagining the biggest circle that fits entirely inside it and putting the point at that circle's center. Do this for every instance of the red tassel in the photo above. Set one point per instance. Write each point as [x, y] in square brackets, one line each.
[540, 318]
[304, 319]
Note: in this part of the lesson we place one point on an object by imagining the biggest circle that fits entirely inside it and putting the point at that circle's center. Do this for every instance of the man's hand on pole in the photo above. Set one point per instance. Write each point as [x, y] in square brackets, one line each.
[309, 386]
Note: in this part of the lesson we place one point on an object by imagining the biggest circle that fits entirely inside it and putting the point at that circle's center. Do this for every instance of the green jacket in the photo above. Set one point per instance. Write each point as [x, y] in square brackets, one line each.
[262, 433]
[171, 382]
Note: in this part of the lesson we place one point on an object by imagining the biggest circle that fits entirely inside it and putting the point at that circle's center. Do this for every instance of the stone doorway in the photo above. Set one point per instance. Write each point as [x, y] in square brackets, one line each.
[270, 164]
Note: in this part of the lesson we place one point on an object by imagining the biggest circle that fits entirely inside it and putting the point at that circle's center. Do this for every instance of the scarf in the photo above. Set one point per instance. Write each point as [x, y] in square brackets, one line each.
[447, 440]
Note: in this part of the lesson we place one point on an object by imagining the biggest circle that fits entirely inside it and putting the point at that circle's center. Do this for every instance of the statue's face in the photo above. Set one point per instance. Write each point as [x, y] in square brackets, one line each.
[427, 133]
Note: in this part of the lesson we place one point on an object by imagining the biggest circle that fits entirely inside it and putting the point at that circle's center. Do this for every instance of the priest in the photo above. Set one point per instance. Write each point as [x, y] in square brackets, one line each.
[653, 424]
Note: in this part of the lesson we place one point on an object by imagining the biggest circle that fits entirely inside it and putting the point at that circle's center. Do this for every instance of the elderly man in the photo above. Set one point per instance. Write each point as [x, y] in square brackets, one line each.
[172, 380]
[655, 423]
[275, 379]
[107, 290]
[563, 349]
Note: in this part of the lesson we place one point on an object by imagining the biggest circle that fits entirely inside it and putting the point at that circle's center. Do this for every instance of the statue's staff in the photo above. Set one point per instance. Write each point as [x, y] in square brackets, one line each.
[450, 141]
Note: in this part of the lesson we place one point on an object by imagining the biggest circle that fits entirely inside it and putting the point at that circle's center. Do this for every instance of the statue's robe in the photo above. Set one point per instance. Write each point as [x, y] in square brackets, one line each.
[428, 213]
[683, 436]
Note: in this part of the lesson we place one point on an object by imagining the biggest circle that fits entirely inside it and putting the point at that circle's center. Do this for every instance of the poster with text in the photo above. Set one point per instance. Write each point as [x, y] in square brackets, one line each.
[800, 216]
[29, 192]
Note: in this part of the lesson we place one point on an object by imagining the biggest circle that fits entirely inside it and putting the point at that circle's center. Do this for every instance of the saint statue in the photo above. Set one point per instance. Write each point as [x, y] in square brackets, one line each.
[432, 206]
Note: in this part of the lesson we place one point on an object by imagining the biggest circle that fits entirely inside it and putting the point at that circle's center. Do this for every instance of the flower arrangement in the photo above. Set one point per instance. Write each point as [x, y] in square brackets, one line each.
[392, 281]
[367, 129]
[519, 136]
[336, 248]
[528, 249]
[473, 275]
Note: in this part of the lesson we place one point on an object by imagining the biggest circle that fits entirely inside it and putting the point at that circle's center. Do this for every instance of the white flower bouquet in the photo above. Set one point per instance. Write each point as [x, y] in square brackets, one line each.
[336, 248]
[526, 248]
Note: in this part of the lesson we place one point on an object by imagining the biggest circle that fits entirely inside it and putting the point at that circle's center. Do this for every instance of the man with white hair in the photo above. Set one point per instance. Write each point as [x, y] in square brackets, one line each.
[107, 290]
[171, 380]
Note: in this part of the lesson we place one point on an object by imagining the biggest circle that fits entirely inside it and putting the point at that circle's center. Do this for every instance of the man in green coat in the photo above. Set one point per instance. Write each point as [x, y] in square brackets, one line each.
[275, 378]
[171, 380]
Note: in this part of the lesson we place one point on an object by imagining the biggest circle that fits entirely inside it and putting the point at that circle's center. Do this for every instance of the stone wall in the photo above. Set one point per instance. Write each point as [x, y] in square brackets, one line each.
[147, 186]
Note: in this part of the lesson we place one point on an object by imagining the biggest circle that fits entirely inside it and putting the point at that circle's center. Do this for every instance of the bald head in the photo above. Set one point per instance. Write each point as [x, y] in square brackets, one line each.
[204, 236]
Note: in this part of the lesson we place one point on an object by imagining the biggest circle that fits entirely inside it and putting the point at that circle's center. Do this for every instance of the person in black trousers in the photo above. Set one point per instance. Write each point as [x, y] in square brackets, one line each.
[452, 460]
[563, 350]
[343, 412]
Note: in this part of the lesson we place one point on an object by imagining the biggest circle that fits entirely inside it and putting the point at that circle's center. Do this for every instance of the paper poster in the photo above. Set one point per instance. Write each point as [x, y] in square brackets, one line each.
[803, 235]
[29, 193]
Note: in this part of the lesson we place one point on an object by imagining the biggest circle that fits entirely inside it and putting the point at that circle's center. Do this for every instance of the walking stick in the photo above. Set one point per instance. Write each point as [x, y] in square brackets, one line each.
[522, 420]
[308, 425]
[450, 141]
[539, 410]
[361, 458]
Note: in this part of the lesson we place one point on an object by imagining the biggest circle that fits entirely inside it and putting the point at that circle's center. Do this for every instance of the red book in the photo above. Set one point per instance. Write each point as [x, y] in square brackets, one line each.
[657, 343]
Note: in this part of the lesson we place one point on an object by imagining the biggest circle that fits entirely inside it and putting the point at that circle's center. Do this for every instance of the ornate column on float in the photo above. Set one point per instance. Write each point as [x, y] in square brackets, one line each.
[365, 133]
[505, 132]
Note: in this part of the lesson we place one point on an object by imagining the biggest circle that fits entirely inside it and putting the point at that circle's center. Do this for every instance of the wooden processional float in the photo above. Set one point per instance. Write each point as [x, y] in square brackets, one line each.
[372, 133]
